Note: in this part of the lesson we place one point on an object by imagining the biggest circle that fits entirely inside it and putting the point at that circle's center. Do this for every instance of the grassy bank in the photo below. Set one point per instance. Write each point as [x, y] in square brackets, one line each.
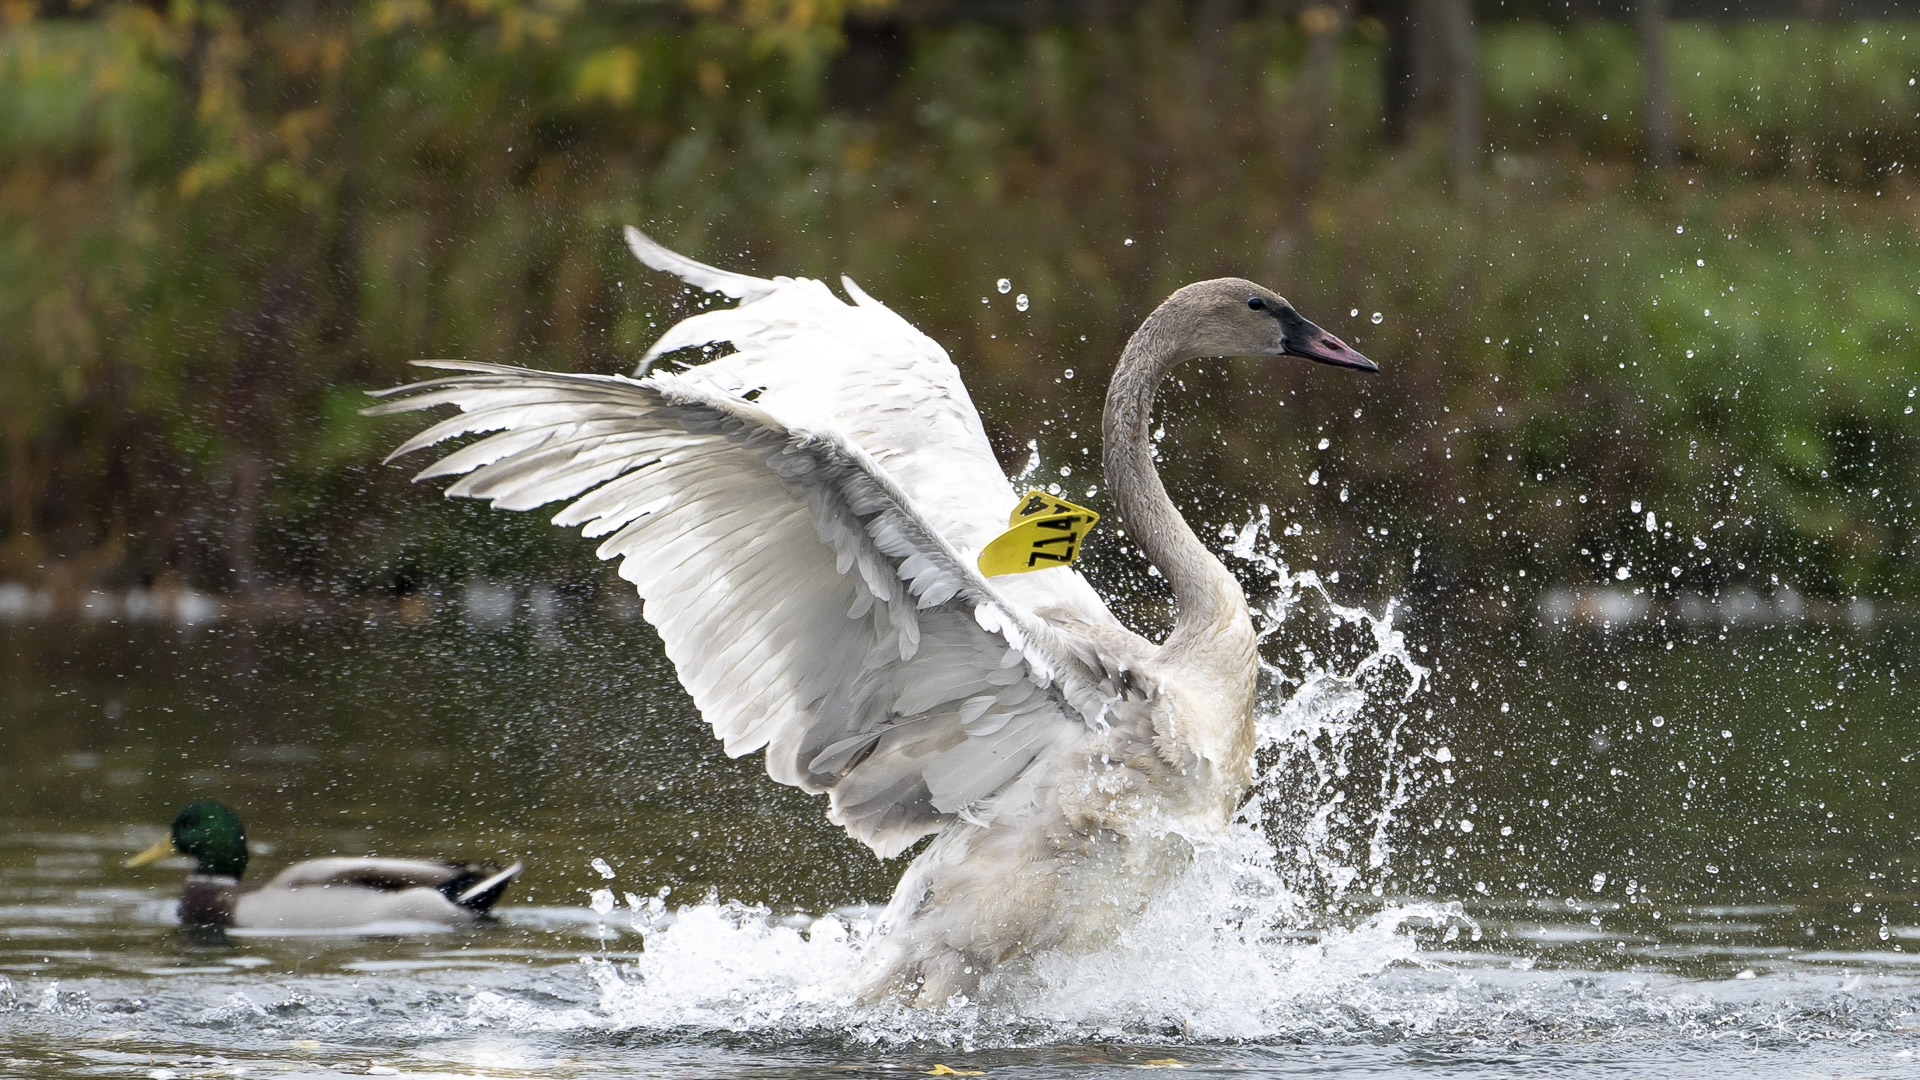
[215, 235]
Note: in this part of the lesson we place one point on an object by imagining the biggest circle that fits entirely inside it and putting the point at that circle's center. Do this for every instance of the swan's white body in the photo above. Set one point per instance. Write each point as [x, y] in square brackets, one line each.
[802, 519]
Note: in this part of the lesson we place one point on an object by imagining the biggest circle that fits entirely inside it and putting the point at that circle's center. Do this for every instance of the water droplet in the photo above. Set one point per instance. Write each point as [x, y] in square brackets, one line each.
[1466, 825]
[1020, 302]
[1314, 478]
[1712, 869]
[1377, 317]
[1324, 443]
[1659, 721]
[1129, 241]
[1068, 373]
[1689, 354]
[602, 902]
[1599, 882]
[1004, 286]
[601, 865]
[1679, 229]
[1354, 314]
[1699, 262]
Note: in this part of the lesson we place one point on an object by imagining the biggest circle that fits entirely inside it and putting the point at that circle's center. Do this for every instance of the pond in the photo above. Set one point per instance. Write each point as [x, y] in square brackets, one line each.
[1666, 851]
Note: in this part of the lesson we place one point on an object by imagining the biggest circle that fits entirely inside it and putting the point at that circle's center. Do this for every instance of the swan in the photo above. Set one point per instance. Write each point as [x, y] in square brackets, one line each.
[318, 894]
[802, 519]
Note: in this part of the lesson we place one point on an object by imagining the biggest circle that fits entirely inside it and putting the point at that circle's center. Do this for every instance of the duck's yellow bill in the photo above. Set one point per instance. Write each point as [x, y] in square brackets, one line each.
[1043, 531]
[153, 854]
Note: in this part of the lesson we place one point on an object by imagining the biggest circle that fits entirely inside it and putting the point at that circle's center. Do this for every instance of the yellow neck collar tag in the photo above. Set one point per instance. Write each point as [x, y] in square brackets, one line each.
[1042, 531]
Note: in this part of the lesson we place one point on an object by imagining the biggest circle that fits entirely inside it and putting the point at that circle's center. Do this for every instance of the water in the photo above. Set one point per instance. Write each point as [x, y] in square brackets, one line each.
[1480, 856]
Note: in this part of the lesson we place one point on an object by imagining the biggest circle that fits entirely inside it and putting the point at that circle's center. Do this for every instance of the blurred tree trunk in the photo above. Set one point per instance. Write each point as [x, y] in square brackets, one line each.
[1213, 31]
[1433, 57]
[249, 481]
[1409, 69]
[1325, 26]
[1656, 88]
[875, 58]
[21, 486]
[344, 254]
[1124, 125]
[1461, 49]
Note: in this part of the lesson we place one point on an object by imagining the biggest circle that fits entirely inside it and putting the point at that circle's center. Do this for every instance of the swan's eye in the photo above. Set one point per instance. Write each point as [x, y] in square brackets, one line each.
[1256, 303]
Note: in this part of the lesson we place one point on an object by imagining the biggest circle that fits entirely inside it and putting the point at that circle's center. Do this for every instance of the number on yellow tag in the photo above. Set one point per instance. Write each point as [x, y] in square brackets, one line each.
[1042, 531]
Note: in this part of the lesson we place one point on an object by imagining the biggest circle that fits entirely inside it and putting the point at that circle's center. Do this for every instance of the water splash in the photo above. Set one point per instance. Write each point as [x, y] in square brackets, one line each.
[1339, 689]
[1290, 900]
[728, 969]
[1032, 466]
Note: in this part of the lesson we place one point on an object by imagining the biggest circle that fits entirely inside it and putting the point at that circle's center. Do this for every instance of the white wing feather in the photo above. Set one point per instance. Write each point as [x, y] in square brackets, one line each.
[864, 372]
[810, 605]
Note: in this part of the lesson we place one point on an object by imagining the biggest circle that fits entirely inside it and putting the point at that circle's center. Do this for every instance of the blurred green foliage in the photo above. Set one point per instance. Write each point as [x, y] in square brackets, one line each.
[220, 223]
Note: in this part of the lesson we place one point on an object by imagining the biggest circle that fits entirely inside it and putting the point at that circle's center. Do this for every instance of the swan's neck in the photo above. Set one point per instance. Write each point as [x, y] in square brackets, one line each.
[1212, 616]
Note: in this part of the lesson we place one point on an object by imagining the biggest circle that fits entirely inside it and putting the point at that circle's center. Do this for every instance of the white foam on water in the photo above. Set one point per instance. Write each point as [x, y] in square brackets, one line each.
[1273, 926]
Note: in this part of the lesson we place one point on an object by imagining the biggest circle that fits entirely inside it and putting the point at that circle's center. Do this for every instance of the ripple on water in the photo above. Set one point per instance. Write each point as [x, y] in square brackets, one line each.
[737, 990]
[1275, 955]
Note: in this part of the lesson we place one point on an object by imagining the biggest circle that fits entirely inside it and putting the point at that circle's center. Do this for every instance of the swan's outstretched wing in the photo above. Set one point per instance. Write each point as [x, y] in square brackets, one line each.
[862, 371]
[809, 605]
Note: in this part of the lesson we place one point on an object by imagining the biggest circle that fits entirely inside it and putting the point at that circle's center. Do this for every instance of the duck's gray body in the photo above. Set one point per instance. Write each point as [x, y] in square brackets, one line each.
[342, 892]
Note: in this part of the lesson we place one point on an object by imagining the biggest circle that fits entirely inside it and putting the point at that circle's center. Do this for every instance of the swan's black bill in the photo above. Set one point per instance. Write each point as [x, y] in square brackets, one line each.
[1303, 339]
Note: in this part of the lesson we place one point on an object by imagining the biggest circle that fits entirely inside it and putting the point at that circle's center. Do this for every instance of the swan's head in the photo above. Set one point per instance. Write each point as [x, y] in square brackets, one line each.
[1235, 317]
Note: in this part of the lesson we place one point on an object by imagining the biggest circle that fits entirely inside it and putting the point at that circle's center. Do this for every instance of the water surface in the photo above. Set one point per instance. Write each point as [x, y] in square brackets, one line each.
[1668, 853]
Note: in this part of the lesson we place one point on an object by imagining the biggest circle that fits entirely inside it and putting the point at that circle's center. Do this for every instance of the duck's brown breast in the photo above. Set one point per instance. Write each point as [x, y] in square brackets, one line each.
[207, 900]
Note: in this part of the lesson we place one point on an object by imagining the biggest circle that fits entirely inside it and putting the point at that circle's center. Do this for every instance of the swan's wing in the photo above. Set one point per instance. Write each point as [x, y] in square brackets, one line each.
[808, 604]
[863, 371]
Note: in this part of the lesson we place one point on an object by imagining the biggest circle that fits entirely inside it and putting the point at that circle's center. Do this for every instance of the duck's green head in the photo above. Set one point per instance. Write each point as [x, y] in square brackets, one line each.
[208, 831]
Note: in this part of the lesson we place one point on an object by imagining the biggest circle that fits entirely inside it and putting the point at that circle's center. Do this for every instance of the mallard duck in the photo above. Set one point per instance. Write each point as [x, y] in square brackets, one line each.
[318, 894]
